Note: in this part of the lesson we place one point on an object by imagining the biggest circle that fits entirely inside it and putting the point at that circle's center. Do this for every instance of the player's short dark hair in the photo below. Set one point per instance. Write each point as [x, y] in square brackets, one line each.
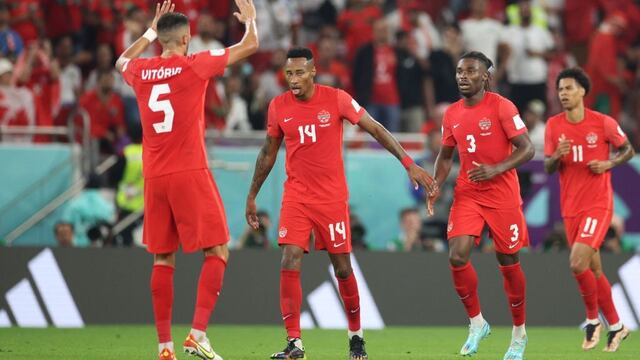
[300, 52]
[477, 55]
[171, 21]
[577, 74]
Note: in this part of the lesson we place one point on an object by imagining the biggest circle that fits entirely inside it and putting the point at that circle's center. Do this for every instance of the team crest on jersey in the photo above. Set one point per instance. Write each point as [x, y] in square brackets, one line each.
[324, 116]
[282, 232]
[485, 124]
[592, 139]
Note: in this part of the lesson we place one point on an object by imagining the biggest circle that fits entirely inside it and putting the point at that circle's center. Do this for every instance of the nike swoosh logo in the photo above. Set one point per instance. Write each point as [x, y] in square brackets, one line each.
[512, 246]
[354, 311]
[208, 353]
[288, 119]
[287, 316]
[586, 235]
[518, 304]
[456, 125]
[337, 245]
[463, 298]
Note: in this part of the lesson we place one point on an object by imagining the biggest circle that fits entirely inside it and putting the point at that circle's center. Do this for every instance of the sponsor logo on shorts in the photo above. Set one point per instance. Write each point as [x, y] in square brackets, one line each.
[282, 232]
[485, 124]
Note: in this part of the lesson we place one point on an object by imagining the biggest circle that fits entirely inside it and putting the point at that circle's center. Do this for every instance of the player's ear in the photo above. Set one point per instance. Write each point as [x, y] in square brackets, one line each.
[582, 91]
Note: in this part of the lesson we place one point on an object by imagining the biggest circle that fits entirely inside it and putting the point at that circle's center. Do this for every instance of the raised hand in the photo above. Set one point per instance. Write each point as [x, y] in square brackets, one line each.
[431, 200]
[161, 9]
[247, 11]
[482, 172]
[420, 177]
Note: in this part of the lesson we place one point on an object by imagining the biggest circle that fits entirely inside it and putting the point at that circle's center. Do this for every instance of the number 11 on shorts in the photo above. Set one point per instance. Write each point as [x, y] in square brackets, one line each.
[337, 228]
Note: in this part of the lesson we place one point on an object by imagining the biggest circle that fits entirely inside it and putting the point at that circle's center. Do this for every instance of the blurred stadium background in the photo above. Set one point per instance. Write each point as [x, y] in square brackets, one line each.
[70, 159]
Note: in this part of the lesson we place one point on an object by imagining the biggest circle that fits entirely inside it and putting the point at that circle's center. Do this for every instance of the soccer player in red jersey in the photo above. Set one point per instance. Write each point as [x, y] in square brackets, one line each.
[485, 128]
[182, 203]
[309, 118]
[577, 144]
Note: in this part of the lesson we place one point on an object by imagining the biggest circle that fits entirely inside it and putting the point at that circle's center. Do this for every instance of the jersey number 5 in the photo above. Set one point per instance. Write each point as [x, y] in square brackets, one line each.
[162, 105]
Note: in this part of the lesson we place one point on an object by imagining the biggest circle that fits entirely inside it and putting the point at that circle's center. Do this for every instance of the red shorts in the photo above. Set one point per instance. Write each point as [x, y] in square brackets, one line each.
[329, 222]
[589, 227]
[185, 209]
[507, 227]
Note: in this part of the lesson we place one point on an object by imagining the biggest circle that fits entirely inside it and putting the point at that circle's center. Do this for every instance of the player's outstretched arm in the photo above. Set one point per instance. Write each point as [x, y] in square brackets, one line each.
[524, 152]
[140, 45]
[443, 164]
[624, 153]
[249, 43]
[418, 175]
[264, 164]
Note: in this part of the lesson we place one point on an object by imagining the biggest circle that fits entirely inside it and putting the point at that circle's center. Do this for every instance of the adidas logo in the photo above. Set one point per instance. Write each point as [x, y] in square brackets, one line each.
[326, 306]
[626, 294]
[53, 292]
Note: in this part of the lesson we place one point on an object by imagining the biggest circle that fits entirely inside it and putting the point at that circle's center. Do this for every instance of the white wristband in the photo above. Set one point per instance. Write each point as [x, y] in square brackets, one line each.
[150, 35]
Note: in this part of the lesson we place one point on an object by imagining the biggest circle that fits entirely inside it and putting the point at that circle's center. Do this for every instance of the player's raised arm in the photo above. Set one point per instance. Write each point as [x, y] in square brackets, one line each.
[418, 175]
[249, 43]
[140, 45]
[264, 164]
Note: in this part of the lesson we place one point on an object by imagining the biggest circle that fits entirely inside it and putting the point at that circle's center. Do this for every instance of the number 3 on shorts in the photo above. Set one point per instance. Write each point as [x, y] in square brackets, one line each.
[516, 234]
[164, 106]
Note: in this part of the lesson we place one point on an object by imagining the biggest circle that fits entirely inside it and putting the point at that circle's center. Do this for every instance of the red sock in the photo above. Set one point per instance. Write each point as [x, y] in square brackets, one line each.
[290, 301]
[465, 281]
[162, 298]
[605, 301]
[515, 288]
[209, 286]
[589, 291]
[351, 298]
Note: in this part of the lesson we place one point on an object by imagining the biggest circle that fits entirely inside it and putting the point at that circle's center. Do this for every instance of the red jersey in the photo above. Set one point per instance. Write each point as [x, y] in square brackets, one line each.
[581, 189]
[482, 134]
[385, 87]
[103, 115]
[170, 94]
[312, 132]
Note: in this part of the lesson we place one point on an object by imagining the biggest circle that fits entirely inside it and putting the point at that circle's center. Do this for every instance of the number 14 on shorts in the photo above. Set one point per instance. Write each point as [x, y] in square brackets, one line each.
[338, 228]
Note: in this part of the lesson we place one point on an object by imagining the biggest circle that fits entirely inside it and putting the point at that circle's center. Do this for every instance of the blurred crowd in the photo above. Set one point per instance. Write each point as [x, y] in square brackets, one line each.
[396, 57]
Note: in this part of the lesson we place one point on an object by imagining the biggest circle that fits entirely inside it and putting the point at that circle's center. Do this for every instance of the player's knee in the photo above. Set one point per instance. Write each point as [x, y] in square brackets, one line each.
[291, 261]
[577, 265]
[343, 272]
[458, 260]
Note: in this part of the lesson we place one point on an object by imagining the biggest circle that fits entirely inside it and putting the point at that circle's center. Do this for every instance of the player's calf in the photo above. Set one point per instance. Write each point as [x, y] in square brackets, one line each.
[293, 350]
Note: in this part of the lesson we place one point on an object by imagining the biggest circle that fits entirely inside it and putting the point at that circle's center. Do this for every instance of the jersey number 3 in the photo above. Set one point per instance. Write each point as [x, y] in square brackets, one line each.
[162, 105]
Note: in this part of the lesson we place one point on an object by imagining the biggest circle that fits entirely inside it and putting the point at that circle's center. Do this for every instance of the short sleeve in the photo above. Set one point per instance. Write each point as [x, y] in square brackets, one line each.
[447, 134]
[613, 133]
[209, 63]
[510, 119]
[129, 70]
[550, 143]
[273, 128]
[349, 108]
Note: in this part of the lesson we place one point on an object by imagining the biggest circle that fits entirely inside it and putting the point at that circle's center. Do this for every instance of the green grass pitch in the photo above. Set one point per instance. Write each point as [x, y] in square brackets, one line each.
[258, 342]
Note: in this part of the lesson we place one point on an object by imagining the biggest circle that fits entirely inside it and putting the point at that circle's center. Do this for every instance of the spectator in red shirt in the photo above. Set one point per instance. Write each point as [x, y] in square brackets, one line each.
[607, 79]
[106, 113]
[356, 24]
[37, 70]
[329, 70]
[62, 17]
[375, 78]
[26, 19]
